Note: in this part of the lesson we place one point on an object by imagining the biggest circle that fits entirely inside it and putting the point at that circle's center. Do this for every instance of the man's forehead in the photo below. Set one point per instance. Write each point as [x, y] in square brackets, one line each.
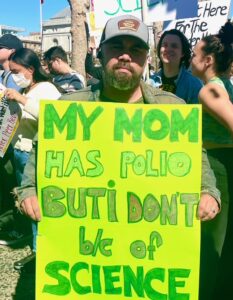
[125, 39]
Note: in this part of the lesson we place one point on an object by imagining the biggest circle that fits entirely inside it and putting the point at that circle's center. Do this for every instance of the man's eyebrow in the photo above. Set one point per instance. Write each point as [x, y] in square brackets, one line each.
[120, 42]
[115, 41]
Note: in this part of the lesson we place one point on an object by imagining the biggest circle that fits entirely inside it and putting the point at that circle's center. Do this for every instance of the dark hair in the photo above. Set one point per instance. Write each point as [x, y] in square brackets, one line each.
[29, 59]
[55, 52]
[220, 46]
[186, 47]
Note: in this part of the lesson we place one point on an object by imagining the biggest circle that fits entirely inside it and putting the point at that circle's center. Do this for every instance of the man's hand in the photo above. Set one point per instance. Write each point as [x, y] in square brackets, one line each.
[208, 208]
[30, 207]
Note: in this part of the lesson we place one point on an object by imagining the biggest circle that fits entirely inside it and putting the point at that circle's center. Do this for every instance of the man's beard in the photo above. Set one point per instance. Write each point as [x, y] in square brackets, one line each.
[120, 80]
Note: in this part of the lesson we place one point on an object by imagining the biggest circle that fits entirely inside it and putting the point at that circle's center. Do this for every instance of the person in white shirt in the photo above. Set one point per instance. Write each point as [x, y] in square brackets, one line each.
[29, 75]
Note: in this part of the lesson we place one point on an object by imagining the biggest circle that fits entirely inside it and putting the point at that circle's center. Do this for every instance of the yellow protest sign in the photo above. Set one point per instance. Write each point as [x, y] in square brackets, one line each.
[118, 186]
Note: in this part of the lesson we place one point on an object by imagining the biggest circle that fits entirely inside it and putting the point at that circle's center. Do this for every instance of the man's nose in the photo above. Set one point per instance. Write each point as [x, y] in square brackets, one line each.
[125, 56]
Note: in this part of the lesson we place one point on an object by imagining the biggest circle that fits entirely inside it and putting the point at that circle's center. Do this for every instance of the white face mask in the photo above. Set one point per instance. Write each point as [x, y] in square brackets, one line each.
[20, 80]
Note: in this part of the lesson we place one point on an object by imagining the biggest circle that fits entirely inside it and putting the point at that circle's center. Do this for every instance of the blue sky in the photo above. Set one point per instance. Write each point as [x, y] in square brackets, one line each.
[26, 13]
[231, 9]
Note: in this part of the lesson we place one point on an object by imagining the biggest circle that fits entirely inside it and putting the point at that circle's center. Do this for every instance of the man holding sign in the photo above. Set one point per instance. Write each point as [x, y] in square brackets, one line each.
[123, 53]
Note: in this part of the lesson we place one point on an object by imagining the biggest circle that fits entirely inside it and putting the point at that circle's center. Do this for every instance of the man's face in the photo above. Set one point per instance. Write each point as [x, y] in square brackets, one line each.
[123, 60]
[53, 66]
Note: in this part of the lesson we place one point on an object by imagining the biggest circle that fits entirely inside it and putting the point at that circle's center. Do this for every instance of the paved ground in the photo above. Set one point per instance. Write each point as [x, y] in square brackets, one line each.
[15, 285]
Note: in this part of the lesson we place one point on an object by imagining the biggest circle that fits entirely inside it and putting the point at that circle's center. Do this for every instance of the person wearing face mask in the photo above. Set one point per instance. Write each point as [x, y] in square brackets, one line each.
[28, 73]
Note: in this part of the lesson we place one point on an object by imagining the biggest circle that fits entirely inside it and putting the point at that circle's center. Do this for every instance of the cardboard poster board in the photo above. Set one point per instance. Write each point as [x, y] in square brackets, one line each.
[10, 114]
[156, 10]
[211, 16]
[118, 186]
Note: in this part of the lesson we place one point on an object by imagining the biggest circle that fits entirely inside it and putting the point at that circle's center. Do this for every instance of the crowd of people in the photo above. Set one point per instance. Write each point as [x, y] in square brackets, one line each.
[200, 75]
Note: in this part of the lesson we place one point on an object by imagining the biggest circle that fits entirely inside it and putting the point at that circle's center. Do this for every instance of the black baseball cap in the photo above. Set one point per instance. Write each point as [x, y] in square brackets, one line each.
[10, 41]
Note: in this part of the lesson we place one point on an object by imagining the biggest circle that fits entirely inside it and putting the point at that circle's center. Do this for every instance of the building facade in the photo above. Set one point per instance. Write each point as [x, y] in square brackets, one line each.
[56, 31]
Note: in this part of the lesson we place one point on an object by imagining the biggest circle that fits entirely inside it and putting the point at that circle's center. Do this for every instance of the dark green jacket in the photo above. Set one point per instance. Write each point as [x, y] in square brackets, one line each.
[151, 95]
